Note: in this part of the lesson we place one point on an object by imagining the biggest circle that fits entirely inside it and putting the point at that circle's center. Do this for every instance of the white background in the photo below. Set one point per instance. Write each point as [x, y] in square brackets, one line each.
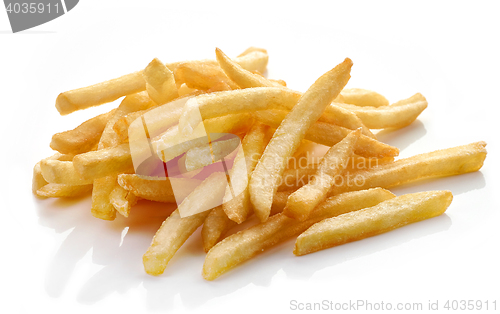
[57, 258]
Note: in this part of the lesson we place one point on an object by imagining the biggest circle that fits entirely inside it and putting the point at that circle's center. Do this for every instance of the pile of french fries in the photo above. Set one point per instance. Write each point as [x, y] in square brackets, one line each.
[179, 108]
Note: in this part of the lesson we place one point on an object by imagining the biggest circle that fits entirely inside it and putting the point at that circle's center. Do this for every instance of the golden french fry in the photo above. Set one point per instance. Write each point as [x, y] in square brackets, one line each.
[83, 138]
[220, 104]
[199, 75]
[242, 77]
[301, 203]
[245, 244]
[440, 163]
[171, 143]
[254, 59]
[217, 224]
[104, 186]
[330, 134]
[104, 162]
[293, 179]
[236, 202]
[63, 190]
[178, 227]
[184, 90]
[122, 200]
[160, 82]
[246, 79]
[363, 97]
[158, 189]
[62, 172]
[215, 227]
[263, 183]
[100, 93]
[201, 156]
[397, 115]
[371, 221]
[38, 180]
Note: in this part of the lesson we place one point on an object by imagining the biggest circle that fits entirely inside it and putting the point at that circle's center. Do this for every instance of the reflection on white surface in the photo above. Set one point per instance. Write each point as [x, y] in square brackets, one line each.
[118, 247]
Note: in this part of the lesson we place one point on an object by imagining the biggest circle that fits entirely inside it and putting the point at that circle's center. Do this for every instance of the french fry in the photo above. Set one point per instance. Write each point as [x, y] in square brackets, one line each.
[330, 134]
[63, 190]
[201, 156]
[122, 200]
[104, 186]
[62, 172]
[440, 163]
[242, 77]
[171, 143]
[38, 181]
[98, 94]
[160, 82]
[184, 90]
[216, 225]
[236, 204]
[220, 104]
[363, 97]
[245, 244]
[263, 183]
[397, 115]
[293, 179]
[177, 228]
[246, 79]
[301, 203]
[199, 75]
[158, 189]
[383, 217]
[83, 138]
[104, 162]
[205, 75]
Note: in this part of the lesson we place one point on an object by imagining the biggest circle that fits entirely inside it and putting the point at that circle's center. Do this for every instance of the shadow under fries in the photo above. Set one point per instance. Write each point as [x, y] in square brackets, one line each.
[402, 137]
[120, 244]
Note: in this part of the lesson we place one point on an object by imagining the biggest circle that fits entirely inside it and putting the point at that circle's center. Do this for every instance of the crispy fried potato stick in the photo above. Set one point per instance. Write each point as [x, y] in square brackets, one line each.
[83, 138]
[236, 202]
[176, 230]
[363, 97]
[201, 156]
[286, 139]
[301, 203]
[398, 115]
[206, 75]
[383, 217]
[104, 186]
[296, 178]
[245, 244]
[242, 77]
[440, 163]
[104, 162]
[122, 200]
[220, 104]
[216, 225]
[171, 143]
[100, 93]
[38, 180]
[62, 172]
[246, 79]
[158, 189]
[160, 82]
[330, 134]
[111, 90]
[199, 75]
[63, 190]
